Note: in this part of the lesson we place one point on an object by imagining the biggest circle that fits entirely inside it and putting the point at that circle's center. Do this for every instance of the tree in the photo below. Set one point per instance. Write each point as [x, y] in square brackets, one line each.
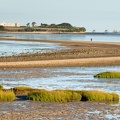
[65, 25]
[106, 31]
[52, 26]
[2, 28]
[28, 24]
[44, 25]
[82, 29]
[33, 24]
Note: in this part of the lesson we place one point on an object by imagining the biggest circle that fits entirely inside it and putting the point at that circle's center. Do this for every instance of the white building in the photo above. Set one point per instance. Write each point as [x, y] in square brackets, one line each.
[9, 24]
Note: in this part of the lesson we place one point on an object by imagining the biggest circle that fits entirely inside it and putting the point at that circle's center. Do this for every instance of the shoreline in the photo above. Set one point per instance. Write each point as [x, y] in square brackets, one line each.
[57, 32]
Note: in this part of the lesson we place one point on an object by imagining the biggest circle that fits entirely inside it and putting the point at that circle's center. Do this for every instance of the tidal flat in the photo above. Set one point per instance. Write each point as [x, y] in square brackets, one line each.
[63, 77]
[29, 110]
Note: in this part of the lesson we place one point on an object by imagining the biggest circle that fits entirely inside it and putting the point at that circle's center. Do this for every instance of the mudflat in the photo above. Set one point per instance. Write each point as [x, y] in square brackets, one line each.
[29, 110]
[88, 53]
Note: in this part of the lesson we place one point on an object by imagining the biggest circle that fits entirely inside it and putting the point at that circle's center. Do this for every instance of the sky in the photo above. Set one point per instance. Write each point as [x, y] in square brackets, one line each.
[98, 15]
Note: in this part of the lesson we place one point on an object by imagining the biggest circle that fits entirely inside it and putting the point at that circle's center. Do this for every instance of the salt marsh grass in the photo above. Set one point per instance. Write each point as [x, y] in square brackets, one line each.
[55, 96]
[108, 75]
[71, 95]
[1, 87]
[6, 96]
[22, 90]
[94, 95]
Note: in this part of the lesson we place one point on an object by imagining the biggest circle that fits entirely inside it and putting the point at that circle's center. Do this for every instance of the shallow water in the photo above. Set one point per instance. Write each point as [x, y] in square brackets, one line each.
[111, 37]
[75, 78]
[9, 48]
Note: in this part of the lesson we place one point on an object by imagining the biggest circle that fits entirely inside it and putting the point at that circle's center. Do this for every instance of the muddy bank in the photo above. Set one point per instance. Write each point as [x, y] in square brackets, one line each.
[21, 110]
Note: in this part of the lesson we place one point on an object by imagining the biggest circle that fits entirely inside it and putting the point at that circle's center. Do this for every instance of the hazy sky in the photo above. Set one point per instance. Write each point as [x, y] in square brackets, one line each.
[92, 14]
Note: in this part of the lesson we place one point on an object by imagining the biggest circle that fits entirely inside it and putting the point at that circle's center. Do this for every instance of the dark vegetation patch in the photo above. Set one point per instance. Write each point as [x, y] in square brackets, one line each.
[108, 75]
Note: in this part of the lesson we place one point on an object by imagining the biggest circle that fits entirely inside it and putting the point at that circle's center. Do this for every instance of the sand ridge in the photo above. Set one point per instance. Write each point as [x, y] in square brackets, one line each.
[106, 61]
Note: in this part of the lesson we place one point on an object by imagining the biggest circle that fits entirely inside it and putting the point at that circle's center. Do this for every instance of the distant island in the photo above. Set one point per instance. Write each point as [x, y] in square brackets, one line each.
[54, 28]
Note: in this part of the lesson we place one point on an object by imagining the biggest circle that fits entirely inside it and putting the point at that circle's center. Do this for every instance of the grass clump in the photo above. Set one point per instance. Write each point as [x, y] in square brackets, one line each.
[1, 87]
[70, 95]
[55, 96]
[108, 75]
[22, 89]
[95, 95]
[6, 96]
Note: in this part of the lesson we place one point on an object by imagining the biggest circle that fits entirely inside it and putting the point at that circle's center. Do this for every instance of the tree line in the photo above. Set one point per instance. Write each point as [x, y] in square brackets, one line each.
[63, 27]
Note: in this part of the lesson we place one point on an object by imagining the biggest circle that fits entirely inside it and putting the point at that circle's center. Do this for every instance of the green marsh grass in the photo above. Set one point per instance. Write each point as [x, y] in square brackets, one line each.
[95, 95]
[70, 95]
[22, 90]
[1, 87]
[108, 75]
[6, 96]
[55, 96]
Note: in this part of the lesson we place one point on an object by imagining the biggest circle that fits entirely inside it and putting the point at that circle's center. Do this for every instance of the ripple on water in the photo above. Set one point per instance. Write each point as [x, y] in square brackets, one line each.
[61, 78]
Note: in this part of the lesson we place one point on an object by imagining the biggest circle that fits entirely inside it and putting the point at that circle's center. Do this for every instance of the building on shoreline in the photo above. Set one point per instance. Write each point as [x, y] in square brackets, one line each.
[9, 24]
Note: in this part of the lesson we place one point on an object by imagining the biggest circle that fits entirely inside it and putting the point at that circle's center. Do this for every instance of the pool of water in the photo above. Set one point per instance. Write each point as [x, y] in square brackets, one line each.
[76, 78]
[9, 48]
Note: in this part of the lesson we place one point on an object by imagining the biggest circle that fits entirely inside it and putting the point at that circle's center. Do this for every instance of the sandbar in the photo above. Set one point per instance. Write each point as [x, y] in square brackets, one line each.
[80, 53]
